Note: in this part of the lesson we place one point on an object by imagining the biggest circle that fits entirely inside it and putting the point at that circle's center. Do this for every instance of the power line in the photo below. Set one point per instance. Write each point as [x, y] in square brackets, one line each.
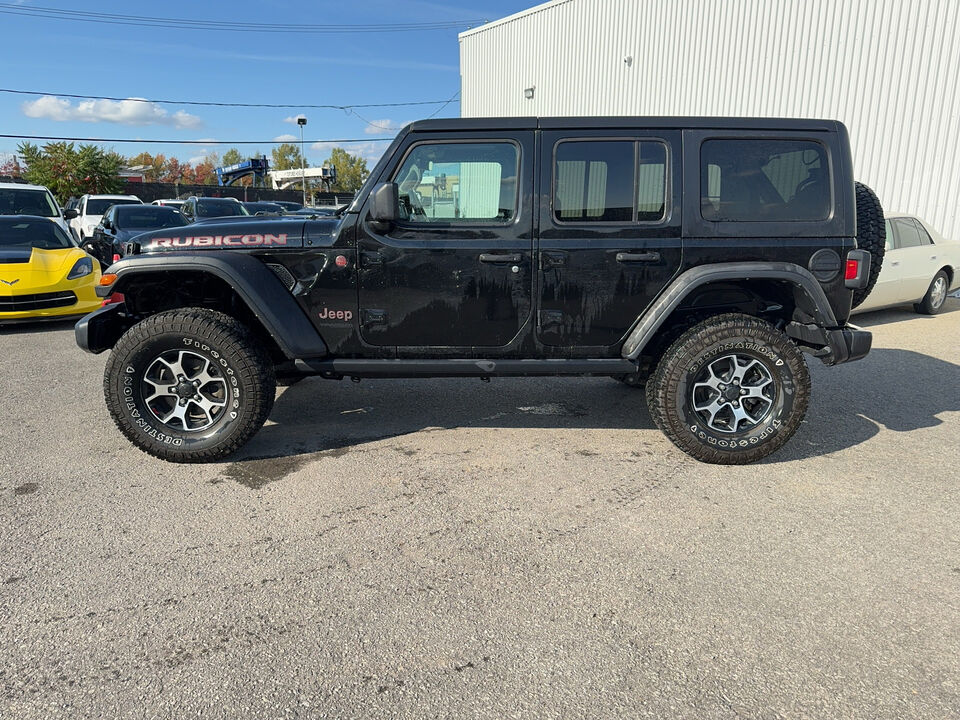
[50, 13]
[226, 104]
[188, 142]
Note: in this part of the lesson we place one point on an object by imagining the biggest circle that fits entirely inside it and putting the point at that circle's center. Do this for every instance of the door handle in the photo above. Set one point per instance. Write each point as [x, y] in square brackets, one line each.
[371, 258]
[498, 258]
[644, 257]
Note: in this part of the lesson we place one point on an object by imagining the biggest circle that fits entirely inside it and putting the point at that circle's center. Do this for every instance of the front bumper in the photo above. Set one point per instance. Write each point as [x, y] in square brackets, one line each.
[101, 329]
[832, 346]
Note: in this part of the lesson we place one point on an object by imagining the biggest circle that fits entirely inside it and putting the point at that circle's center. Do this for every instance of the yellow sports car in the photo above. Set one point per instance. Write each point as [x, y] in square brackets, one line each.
[43, 274]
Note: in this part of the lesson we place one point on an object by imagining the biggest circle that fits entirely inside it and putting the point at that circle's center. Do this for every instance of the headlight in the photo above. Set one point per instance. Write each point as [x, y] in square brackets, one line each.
[82, 267]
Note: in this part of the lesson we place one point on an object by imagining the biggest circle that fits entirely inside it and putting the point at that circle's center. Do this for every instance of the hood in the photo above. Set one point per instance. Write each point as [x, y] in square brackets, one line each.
[36, 260]
[246, 233]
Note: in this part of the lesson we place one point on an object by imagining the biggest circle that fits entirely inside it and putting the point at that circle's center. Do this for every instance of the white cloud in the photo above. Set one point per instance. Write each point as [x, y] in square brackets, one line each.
[124, 112]
[369, 151]
[382, 127]
[292, 119]
[286, 138]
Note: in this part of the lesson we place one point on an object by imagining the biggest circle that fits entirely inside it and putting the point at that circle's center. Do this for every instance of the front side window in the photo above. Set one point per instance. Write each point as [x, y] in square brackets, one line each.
[459, 183]
[764, 180]
[610, 181]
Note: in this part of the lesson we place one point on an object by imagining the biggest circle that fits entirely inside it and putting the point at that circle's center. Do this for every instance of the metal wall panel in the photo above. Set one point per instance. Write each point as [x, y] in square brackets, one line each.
[889, 69]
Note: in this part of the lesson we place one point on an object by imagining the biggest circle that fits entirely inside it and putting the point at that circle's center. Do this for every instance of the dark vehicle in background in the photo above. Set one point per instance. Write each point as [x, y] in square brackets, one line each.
[697, 258]
[288, 205]
[317, 211]
[200, 208]
[121, 223]
[262, 207]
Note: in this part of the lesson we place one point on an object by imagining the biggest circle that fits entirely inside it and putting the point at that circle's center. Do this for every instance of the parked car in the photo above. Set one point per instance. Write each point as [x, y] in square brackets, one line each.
[198, 208]
[698, 258]
[288, 205]
[261, 207]
[91, 208]
[121, 223]
[919, 267]
[17, 198]
[177, 204]
[43, 274]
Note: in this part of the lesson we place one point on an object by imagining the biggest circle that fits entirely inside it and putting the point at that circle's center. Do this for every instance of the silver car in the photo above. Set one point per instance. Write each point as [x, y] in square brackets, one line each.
[919, 267]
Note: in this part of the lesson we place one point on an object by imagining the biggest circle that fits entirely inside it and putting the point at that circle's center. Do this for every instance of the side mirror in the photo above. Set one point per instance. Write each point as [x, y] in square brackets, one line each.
[105, 224]
[385, 203]
[70, 214]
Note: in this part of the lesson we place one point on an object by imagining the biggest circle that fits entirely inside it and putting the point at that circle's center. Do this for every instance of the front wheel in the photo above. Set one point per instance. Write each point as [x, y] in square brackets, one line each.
[189, 385]
[730, 390]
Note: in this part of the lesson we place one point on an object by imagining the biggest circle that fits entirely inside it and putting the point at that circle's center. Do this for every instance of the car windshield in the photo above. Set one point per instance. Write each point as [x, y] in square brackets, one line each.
[41, 234]
[16, 201]
[148, 217]
[218, 207]
[98, 206]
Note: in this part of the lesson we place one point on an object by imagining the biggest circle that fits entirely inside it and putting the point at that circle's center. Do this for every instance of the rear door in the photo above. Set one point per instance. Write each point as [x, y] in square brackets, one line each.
[456, 271]
[609, 236]
[914, 255]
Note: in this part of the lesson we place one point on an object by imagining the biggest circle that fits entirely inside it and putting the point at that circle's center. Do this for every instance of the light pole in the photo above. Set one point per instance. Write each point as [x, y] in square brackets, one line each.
[301, 121]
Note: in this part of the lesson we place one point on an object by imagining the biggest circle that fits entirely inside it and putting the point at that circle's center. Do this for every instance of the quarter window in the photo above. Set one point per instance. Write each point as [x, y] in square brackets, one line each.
[459, 183]
[613, 181]
[764, 180]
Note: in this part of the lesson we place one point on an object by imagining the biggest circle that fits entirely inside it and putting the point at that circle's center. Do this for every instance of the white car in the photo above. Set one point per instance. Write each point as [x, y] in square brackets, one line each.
[91, 208]
[175, 204]
[919, 267]
[23, 199]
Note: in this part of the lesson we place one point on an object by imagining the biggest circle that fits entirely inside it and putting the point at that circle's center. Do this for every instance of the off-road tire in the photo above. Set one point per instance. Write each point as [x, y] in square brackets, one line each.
[936, 298]
[238, 361]
[670, 391]
[871, 236]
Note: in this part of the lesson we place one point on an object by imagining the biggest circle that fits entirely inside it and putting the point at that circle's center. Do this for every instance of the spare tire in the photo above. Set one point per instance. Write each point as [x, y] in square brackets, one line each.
[871, 236]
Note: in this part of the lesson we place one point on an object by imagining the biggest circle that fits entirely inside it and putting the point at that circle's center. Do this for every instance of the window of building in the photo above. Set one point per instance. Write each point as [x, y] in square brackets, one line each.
[459, 182]
[615, 181]
[764, 180]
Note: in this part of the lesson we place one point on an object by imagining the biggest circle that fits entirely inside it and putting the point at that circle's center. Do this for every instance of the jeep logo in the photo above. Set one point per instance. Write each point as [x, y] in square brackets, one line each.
[328, 314]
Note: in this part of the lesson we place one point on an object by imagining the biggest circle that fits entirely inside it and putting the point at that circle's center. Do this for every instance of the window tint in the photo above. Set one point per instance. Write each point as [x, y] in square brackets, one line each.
[459, 182]
[14, 201]
[97, 206]
[764, 180]
[907, 233]
[146, 217]
[41, 234]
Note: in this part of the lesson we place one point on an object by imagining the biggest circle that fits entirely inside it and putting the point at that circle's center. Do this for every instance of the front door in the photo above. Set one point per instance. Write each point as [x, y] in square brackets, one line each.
[456, 270]
[610, 236]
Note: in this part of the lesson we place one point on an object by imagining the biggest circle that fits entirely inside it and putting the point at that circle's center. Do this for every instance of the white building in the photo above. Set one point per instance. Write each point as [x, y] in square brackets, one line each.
[888, 69]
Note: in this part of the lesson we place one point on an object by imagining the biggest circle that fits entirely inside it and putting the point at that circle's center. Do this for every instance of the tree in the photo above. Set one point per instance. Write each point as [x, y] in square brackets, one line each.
[11, 167]
[351, 170]
[69, 171]
[286, 156]
[153, 165]
[232, 157]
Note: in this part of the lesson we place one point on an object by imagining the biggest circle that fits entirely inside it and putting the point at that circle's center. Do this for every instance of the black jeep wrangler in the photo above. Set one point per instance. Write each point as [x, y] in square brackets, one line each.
[692, 257]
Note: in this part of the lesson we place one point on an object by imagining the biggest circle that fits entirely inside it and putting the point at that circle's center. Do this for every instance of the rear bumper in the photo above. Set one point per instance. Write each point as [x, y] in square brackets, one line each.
[839, 345]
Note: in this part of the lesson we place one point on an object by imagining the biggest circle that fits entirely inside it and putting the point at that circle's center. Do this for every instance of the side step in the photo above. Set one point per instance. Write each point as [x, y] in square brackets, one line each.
[464, 368]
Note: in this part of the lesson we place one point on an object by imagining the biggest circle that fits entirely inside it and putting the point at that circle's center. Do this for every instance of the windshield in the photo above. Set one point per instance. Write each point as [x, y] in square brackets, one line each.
[15, 201]
[148, 217]
[98, 206]
[41, 234]
[216, 207]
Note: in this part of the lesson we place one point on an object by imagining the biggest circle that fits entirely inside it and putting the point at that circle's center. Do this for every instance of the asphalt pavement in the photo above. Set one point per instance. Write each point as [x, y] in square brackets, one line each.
[456, 549]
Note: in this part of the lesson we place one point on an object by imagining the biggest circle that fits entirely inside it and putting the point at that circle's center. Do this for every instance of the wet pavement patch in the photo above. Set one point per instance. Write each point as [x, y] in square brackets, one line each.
[26, 488]
[256, 473]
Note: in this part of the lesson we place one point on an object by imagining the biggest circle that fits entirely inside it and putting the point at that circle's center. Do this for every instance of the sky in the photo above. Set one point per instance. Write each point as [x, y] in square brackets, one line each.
[133, 61]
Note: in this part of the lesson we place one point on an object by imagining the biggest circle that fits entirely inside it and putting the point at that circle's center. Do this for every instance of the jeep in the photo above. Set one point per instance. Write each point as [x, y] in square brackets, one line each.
[695, 258]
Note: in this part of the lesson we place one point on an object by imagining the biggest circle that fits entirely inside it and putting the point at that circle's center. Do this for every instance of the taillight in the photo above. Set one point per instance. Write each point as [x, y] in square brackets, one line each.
[112, 299]
[116, 257]
[852, 269]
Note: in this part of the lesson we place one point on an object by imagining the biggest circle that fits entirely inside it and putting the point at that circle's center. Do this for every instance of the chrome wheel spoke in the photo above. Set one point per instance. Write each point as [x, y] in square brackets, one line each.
[184, 390]
[734, 393]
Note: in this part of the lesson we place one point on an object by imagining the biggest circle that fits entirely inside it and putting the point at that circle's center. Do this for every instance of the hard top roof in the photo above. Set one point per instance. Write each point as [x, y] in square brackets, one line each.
[665, 122]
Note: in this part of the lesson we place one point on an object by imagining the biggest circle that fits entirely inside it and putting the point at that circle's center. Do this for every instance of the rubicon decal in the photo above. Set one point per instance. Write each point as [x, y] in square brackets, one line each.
[202, 241]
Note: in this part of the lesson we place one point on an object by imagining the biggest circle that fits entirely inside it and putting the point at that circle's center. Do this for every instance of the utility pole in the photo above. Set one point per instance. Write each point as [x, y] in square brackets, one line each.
[301, 121]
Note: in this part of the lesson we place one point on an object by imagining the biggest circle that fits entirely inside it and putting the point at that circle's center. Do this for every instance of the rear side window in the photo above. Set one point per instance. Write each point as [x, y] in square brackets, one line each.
[611, 181]
[764, 180]
[907, 233]
[459, 182]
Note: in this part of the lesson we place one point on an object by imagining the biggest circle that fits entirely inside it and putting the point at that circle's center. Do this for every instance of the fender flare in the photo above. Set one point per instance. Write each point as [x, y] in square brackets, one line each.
[261, 290]
[653, 318]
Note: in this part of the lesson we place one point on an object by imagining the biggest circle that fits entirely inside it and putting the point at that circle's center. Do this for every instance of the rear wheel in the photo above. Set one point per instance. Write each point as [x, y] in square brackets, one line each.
[189, 385]
[936, 297]
[730, 390]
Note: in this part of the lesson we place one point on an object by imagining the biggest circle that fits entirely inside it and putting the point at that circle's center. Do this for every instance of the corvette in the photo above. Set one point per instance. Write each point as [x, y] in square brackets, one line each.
[43, 274]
